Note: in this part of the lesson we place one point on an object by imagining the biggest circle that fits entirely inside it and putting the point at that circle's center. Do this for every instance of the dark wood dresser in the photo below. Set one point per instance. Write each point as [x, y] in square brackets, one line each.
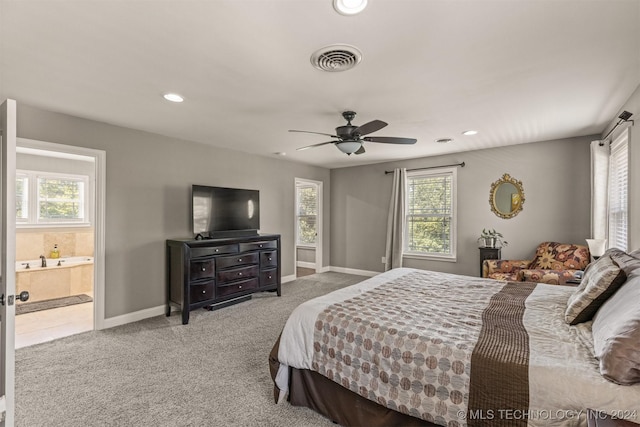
[215, 273]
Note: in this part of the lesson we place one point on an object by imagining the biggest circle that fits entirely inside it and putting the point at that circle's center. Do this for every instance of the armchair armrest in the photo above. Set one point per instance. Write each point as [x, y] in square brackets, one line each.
[503, 266]
[551, 277]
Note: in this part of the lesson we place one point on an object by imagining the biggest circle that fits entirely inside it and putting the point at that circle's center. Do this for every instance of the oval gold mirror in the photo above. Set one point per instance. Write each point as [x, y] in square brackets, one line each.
[506, 197]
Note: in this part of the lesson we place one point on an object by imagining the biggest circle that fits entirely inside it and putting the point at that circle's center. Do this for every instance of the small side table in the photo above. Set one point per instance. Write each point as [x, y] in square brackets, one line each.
[488, 253]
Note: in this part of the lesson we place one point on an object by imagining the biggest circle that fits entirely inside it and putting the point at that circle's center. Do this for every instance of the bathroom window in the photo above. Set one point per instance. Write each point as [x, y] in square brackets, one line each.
[51, 199]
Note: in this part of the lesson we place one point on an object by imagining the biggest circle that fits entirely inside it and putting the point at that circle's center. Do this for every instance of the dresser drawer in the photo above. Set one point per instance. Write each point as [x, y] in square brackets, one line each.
[268, 277]
[202, 267]
[237, 287]
[236, 260]
[237, 273]
[214, 250]
[201, 291]
[268, 259]
[254, 246]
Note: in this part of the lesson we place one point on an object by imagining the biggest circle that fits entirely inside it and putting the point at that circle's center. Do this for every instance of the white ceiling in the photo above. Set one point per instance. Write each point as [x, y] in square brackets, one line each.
[517, 71]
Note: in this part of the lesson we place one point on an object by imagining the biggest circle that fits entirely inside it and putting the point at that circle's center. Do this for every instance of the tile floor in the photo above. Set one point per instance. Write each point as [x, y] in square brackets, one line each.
[48, 325]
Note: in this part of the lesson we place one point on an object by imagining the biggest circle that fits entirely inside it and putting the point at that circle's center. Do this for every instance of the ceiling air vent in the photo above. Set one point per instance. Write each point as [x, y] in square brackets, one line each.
[337, 57]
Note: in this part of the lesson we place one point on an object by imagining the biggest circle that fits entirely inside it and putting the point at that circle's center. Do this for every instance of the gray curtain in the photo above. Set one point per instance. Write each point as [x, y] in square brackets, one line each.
[395, 223]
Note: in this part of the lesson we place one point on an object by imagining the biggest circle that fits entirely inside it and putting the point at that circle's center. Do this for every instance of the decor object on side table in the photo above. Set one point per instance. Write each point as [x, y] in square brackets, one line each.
[597, 247]
[491, 238]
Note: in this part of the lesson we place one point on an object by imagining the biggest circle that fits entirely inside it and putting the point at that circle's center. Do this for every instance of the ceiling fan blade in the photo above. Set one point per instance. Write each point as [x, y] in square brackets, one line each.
[317, 133]
[360, 150]
[390, 140]
[316, 145]
[370, 127]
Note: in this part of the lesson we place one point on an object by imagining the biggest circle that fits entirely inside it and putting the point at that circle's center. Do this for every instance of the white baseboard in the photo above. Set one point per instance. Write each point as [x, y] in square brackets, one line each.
[289, 278]
[354, 271]
[305, 264]
[133, 317]
[161, 310]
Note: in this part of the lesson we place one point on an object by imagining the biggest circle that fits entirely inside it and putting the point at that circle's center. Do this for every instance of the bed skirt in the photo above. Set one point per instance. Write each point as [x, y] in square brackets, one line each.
[340, 405]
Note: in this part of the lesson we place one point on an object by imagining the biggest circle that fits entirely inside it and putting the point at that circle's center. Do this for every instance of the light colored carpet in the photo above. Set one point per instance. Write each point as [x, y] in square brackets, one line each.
[157, 372]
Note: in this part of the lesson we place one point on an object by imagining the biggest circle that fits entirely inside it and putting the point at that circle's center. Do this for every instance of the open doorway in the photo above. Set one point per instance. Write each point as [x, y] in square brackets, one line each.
[308, 228]
[59, 240]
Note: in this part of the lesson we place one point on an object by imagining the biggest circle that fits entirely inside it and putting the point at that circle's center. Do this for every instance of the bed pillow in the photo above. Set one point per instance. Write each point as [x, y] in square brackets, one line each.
[625, 261]
[600, 281]
[616, 334]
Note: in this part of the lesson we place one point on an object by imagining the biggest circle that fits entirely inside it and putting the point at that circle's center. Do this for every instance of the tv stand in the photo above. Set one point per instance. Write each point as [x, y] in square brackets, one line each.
[217, 272]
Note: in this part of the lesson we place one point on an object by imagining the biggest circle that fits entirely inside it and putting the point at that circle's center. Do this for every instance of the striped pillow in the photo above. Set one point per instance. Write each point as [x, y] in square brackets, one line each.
[600, 281]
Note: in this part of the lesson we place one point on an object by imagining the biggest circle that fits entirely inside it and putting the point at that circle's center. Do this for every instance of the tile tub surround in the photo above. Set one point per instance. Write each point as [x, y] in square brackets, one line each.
[31, 243]
[73, 277]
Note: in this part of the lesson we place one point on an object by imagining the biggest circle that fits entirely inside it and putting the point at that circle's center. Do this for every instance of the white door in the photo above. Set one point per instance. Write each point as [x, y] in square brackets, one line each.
[7, 259]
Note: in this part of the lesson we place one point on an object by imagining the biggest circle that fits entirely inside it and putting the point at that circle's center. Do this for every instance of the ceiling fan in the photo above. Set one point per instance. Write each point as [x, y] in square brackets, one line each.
[350, 138]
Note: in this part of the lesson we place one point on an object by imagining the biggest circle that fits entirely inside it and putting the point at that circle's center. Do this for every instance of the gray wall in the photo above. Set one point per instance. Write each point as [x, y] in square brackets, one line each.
[632, 106]
[148, 197]
[555, 177]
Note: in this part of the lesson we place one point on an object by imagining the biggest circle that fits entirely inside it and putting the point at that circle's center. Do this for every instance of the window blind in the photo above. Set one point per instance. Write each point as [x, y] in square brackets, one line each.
[429, 214]
[307, 214]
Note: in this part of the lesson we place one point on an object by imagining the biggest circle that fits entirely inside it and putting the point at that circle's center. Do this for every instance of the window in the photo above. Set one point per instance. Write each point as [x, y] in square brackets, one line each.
[51, 199]
[618, 217]
[430, 214]
[307, 214]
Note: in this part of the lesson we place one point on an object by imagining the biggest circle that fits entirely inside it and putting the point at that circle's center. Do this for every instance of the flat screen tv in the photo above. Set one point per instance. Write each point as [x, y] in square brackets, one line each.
[224, 212]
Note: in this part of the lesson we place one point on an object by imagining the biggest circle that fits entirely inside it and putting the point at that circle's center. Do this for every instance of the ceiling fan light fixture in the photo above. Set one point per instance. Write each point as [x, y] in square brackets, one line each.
[349, 7]
[349, 147]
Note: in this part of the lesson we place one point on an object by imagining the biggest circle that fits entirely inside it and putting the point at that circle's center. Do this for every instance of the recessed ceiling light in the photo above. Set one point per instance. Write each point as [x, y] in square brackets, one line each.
[349, 7]
[280, 153]
[444, 140]
[469, 132]
[173, 97]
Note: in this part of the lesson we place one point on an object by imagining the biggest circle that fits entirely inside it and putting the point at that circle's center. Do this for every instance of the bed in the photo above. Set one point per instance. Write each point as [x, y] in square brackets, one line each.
[414, 347]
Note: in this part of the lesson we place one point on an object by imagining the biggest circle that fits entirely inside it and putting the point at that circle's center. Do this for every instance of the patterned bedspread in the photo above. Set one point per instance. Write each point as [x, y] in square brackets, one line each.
[452, 350]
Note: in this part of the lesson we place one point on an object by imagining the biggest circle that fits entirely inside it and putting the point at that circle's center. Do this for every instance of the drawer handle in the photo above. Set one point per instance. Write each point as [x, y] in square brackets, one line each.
[269, 258]
[269, 277]
[239, 274]
[204, 292]
[204, 269]
[217, 250]
[240, 287]
[260, 246]
[239, 259]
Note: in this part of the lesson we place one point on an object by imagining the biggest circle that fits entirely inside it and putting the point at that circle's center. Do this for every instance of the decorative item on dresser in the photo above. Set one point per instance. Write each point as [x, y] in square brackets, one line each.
[215, 273]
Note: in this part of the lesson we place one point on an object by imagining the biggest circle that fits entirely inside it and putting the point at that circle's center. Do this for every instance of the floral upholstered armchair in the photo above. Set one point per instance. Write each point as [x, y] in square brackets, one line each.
[553, 263]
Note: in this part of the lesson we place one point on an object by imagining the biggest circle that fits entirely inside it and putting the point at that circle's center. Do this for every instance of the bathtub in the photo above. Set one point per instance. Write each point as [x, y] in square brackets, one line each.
[65, 262]
[73, 276]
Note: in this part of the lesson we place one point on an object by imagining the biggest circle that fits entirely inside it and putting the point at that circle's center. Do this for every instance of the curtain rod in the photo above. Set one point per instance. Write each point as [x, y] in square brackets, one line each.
[624, 118]
[428, 167]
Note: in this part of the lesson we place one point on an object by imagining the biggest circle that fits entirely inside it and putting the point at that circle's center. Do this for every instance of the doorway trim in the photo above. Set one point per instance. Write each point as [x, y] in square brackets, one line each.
[320, 221]
[99, 231]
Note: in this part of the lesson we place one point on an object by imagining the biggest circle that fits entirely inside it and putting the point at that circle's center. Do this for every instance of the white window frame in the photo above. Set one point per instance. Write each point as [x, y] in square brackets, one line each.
[33, 201]
[317, 189]
[618, 189]
[451, 257]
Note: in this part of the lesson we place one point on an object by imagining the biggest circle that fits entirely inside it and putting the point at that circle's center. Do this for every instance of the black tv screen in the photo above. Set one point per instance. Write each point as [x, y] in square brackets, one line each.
[220, 211]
